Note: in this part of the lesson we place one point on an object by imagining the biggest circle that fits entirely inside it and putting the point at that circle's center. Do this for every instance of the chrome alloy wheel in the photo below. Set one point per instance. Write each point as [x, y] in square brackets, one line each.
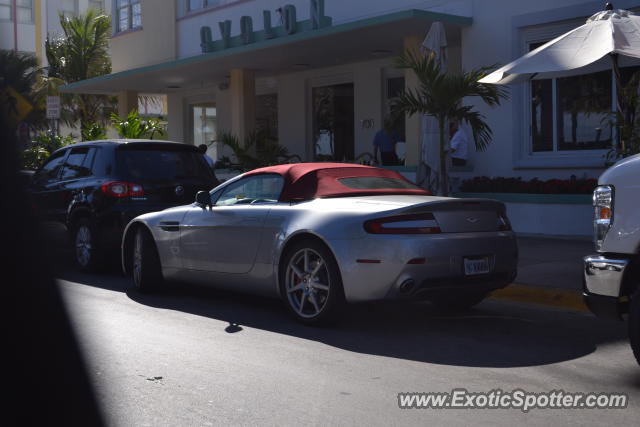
[137, 259]
[83, 245]
[307, 283]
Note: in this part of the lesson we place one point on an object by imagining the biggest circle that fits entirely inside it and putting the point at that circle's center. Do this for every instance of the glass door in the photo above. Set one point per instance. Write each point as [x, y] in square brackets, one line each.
[333, 122]
[203, 126]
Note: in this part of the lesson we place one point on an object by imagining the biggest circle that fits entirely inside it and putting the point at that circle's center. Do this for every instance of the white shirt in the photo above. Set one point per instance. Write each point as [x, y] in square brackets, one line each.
[460, 143]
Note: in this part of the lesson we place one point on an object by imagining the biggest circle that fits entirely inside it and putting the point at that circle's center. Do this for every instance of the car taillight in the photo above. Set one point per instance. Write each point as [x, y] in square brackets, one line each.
[603, 207]
[503, 222]
[122, 189]
[403, 224]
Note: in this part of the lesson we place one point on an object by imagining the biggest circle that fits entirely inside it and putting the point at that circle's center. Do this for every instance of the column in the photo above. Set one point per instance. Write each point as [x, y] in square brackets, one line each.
[412, 123]
[127, 101]
[243, 95]
[175, 118]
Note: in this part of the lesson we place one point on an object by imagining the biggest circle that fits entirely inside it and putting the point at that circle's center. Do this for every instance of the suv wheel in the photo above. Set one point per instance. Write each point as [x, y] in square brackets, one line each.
[147, 274]
[634, 324]
[85, 247]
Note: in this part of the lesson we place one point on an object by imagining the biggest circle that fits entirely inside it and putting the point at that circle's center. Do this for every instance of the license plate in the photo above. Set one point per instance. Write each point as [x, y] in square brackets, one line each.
[474, 266]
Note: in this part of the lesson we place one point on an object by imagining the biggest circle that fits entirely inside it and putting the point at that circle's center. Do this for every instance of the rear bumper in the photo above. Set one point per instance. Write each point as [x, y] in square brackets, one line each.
[442, 271]
[602, 285]
[433, 287]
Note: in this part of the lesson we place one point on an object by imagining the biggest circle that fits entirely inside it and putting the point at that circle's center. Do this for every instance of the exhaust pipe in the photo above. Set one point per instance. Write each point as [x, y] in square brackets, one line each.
[406, 286]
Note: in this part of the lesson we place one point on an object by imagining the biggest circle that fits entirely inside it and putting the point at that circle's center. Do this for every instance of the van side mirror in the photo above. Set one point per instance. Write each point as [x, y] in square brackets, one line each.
[203, 198]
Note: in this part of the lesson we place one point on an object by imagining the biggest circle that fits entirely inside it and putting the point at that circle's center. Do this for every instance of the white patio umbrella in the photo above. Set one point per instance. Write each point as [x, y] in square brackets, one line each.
[594, 46]
[435, 43]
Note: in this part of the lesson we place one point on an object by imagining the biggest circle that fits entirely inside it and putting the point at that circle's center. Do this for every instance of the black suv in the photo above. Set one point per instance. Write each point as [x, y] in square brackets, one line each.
[96, 188]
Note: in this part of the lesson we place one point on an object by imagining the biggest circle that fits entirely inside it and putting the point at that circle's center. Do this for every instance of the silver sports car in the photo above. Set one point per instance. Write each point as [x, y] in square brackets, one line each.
[320, 235]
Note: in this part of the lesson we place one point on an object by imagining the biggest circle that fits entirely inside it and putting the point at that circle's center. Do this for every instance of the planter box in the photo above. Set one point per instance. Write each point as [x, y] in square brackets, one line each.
[552, 214]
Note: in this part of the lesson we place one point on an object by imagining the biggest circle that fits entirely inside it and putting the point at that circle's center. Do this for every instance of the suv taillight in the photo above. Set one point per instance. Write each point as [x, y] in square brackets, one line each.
[122, 189]
[403, 224]
[603, 210]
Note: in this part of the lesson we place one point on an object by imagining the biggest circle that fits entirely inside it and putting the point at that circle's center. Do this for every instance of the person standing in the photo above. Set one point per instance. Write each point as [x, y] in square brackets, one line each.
[385, 142]
[459, 145]
[203, 150]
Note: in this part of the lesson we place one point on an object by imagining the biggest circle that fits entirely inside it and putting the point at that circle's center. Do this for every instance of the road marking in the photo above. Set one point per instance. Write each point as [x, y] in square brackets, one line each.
[560, 298]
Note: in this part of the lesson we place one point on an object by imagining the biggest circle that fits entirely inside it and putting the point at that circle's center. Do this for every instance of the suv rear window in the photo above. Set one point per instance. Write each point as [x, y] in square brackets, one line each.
[159, 163]
[376, 183]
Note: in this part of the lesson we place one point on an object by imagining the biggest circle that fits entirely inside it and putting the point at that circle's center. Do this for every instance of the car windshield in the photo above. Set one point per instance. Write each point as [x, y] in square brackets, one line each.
[376, 183]
[162, 164]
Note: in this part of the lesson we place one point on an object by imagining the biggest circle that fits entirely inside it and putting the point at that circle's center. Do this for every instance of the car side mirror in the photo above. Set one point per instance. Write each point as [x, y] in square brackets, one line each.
[203, 198]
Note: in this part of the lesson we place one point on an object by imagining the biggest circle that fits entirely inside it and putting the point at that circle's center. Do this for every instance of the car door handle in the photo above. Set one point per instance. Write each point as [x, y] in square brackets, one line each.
[170, 225]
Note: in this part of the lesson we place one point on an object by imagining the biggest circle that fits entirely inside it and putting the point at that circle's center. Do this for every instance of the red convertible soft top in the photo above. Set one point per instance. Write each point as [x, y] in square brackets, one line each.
[306, 181]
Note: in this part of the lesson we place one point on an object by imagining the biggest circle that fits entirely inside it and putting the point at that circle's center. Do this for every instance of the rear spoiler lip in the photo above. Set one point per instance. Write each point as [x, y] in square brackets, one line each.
[451, 204]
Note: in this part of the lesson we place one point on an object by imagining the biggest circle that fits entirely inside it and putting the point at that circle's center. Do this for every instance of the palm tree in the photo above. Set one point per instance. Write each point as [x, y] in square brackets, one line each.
[20, 72]
[440, 95]
[82, 53]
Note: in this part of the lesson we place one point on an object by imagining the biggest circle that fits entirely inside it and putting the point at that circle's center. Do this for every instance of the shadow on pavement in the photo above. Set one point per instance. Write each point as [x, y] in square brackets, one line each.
[495, 334]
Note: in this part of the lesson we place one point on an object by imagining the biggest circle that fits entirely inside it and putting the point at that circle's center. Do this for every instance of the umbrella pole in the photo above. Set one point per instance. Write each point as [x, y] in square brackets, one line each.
[619, 104]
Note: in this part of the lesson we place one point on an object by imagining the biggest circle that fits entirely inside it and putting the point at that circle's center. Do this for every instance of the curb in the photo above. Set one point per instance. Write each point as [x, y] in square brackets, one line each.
[536, 295]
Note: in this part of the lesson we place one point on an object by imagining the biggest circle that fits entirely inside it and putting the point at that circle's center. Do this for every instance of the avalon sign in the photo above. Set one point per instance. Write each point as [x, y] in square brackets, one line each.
[247, 35]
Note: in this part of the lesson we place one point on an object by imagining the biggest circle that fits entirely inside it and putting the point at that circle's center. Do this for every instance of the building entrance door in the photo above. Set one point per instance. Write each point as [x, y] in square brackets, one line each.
[333, 122]
[202, 119]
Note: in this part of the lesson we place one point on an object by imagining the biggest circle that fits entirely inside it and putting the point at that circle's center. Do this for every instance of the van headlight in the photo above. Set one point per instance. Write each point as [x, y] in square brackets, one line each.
[603, 204]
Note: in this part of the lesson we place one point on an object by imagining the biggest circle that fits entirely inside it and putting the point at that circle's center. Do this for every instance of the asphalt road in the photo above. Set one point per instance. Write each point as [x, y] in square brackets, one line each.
[194, 356]
[552, 262]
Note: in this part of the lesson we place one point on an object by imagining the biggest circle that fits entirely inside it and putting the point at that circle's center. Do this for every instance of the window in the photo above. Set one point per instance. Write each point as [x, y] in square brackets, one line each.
[128, 14]
[78, 164]
[50, 170]
[24, 11]
[69, 7]
[199, 4]
[157, 163]
[255, 189]
[203, 117]
[194, 4]
[5, 10]
[376, 183]
[571, 113]
[96, 4]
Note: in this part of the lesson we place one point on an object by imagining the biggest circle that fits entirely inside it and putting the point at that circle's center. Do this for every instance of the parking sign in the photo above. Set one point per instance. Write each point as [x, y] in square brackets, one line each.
[53, 107]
